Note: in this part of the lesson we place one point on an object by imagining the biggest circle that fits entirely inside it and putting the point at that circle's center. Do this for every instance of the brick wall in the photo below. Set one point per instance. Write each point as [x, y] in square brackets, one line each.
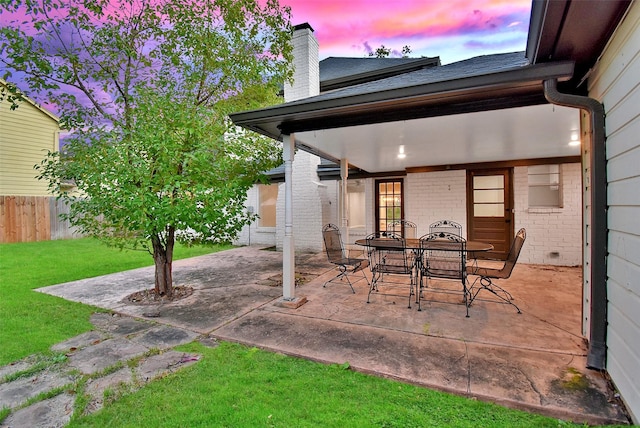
[308, 194]
[554, 235]
[307, 66]
[434, 196]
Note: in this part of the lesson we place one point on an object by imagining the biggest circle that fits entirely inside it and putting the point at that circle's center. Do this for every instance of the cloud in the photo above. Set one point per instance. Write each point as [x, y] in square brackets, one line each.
[352, 28]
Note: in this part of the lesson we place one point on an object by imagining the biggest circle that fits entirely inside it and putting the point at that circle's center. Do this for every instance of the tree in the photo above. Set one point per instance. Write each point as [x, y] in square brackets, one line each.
[384, 52]
[144, 87]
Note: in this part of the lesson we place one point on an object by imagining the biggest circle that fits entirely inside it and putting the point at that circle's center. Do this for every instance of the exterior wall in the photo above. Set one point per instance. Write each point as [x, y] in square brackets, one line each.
[616, 83]
[253, 234]
[442, 195]
[308, 195]
[26, 134]
[434, 196]
[554, 235]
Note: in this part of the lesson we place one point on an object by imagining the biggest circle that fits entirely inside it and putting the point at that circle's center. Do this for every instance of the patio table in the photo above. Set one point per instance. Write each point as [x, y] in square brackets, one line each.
[415, 245]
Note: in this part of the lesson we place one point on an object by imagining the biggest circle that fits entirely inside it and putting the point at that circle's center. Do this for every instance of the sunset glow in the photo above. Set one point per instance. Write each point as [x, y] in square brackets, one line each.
[451, 29]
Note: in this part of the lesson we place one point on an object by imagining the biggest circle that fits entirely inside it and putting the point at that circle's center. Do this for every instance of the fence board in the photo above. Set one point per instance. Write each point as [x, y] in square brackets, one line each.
[32, 218]
[60, 229]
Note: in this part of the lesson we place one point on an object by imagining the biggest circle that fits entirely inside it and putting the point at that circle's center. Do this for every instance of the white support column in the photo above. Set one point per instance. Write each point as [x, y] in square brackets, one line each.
[288, 262]
[344, 174]
[289, 299]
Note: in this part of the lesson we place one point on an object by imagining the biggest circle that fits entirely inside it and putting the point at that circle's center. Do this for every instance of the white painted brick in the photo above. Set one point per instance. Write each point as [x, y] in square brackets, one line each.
[552, 230]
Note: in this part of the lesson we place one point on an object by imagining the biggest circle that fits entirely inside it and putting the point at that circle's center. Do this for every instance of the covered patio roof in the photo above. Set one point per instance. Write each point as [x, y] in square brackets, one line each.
[485, 109]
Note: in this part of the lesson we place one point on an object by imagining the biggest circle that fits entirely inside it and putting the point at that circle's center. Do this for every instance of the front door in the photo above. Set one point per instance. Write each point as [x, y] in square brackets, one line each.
[389, 203]
[490, 209]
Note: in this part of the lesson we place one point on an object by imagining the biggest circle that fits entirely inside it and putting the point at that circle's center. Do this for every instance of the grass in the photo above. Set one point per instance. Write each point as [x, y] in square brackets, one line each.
[30, 322]
[237, 386]
[231, 385]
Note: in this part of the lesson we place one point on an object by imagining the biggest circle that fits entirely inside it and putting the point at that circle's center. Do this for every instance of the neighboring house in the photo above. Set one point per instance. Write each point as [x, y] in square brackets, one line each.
[499, 123]
[26, 135]
[27, 212]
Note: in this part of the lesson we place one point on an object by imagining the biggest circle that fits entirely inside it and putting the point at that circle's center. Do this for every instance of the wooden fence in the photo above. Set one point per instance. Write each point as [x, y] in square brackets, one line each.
[33, 218]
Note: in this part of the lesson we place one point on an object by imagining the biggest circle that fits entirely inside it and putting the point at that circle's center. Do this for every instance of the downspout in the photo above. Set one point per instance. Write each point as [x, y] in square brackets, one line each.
[597, 354]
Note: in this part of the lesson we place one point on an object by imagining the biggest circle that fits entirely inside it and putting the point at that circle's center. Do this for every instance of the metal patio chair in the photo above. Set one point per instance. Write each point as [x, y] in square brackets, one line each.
[443, 256]
[407, 230]
[404, 228]
[337, 255]
[447, 226]
[485, 276]
[388, 255]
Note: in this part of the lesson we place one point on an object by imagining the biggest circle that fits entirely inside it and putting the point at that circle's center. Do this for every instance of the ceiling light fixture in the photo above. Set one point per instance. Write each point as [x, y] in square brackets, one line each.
[401, 154]
[575, 141]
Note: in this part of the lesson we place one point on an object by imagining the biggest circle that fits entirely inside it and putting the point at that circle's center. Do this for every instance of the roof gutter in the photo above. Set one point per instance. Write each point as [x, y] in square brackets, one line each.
[597, 354]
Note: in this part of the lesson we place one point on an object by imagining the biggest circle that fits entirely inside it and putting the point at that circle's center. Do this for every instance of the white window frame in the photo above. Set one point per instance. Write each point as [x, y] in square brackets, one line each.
[545, 186]
[270, 204]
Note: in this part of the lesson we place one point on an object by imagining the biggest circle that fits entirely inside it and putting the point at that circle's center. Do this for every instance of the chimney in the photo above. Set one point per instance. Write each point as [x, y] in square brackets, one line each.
[306, 76]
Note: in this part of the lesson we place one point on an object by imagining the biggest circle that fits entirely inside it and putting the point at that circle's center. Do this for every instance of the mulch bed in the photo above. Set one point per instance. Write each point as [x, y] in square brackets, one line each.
[150, 297]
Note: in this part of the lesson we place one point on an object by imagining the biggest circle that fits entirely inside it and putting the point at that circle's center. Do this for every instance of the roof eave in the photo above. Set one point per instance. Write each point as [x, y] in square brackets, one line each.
[476, 92]
[34, 104]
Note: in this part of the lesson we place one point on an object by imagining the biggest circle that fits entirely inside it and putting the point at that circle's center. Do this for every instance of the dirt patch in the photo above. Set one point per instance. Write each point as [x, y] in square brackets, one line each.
[276, 280]
[150, 297]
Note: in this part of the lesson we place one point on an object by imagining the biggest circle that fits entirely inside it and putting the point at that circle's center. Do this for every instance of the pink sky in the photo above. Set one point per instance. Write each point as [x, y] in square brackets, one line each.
[451, 29]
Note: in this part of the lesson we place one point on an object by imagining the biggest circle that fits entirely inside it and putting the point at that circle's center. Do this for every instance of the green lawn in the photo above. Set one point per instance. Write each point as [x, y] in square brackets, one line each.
[231, 385]
[27, 317]
[237, 386]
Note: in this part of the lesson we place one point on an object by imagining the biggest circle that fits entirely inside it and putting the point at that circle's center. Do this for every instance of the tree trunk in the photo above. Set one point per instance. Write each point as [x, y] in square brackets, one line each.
[163, 258]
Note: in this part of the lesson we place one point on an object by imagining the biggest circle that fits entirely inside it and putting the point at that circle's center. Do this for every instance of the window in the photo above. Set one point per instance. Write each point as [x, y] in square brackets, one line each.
[489, 195]
[545, 189]
[389, 206]
[268, 196]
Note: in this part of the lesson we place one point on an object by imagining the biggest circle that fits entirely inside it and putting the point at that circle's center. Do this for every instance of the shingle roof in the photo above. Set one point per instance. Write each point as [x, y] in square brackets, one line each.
[339, 72]
[476, 66]
[339, 67]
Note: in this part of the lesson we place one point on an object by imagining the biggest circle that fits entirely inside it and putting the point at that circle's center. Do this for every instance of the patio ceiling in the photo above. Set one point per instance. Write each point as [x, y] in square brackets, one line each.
[540, 131]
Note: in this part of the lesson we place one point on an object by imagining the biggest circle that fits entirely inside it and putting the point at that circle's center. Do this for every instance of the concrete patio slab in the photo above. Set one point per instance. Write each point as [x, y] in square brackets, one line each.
[533, 361]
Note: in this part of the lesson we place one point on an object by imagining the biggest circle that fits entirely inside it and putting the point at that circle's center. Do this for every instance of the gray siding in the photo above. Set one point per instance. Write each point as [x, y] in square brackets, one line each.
[616, 83]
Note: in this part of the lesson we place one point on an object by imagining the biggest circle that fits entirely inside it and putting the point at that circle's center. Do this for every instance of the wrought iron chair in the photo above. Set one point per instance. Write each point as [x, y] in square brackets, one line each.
[405, 228]
[447, 226]
[388, 256]
[443, 256]
[485, 276]
[339, 257]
